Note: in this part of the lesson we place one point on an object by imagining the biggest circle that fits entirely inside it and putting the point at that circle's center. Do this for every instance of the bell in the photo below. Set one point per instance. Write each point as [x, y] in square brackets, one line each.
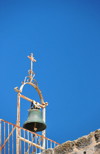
[34, 122]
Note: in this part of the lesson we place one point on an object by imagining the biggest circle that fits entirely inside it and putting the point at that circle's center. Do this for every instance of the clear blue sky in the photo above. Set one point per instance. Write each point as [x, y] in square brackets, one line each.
[64, 37]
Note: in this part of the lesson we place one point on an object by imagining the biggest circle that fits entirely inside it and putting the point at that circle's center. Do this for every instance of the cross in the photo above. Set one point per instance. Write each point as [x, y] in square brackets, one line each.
[32, 60]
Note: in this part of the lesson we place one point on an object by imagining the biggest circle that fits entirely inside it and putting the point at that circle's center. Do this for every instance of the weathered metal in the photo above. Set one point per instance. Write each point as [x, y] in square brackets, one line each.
[12, 142]
[36, 145]
[43, 133]
[34, 102]
[34, 121]
[7, 138]
[24, 141]
[20, 142]
[28, 131]
[19, 138]
[18, 122]
[29, 80]
[4, 137]
[30, 144]
[23, 138]
[33, 84]
[0, 136]
[31, 71]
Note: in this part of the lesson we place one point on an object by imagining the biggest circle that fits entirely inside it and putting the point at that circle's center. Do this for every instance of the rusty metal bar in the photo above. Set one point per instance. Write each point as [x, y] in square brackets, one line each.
[30, 100]
[4, 137]
[30, 144]
[28, 140]
[0, 136]
[54, 145]
[7, 138]
[31, 65]
[40, 144]
[18, 121]
[47, 144]
[51, 144]
[24, 141]
[43, 133]
[16, 139]
[32, 138]
[7, 122]
[30, 131]
[12, 140]
[36, 145]
[28, 137]
[20, 142]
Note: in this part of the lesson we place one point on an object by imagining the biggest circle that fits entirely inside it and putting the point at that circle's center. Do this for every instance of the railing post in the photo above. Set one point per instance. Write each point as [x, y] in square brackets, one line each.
[4, 137]
[12, 141]
[18, 122]
[43, 133]
[8, 138]
[0, 136]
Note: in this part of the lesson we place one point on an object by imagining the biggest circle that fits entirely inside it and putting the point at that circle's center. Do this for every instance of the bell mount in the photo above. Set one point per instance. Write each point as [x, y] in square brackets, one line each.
[30, 81]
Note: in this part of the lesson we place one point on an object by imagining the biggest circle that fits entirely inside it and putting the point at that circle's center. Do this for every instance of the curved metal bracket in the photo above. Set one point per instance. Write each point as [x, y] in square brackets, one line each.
[37, 89]
[29, 80]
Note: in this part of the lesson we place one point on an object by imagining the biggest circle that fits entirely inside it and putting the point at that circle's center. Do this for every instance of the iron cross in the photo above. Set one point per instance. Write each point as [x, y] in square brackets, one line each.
[32, 60]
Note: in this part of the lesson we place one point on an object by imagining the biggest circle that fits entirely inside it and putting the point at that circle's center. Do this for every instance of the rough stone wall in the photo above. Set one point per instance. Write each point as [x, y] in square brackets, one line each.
[89, 144]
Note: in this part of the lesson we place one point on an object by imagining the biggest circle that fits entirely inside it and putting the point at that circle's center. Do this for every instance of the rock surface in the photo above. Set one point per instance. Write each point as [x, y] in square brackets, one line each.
[89, 144]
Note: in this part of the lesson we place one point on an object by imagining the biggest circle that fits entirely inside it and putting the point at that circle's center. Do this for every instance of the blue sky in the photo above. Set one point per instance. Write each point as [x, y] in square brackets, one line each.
[64, 37]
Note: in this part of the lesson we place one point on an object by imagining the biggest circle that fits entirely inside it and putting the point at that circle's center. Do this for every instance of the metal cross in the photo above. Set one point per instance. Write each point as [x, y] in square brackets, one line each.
[32, 60]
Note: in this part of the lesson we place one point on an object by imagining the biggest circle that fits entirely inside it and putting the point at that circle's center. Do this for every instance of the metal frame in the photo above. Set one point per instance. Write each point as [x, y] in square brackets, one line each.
[29, 80]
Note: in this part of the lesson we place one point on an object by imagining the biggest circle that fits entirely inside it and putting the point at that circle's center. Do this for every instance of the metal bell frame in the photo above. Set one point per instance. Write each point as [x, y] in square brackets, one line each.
[30, 81]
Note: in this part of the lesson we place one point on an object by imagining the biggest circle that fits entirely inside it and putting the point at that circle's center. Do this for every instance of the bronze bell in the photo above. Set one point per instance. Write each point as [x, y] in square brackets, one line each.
[34, 122]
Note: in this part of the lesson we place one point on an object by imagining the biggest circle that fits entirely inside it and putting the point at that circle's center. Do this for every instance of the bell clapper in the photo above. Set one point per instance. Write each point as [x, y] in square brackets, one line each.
[35, 129]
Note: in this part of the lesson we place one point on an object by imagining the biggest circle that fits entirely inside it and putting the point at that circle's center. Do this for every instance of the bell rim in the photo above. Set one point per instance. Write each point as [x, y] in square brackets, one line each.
[43, 124]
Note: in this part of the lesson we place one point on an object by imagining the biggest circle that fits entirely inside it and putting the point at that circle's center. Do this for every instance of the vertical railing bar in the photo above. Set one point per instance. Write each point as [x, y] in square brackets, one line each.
[47, 144]
[28, 138]
[36, 143]
[18, 122]
[20, 141]
[31, 140]
[24, 142]
[40, 145]
[4, 137]
[8, 138]
[12, 140]
[51, 144]
[0, 136]
[16, 140]
[54, 144]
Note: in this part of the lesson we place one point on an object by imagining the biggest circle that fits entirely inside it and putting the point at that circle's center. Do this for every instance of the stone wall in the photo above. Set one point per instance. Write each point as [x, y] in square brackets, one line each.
[89, 144]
